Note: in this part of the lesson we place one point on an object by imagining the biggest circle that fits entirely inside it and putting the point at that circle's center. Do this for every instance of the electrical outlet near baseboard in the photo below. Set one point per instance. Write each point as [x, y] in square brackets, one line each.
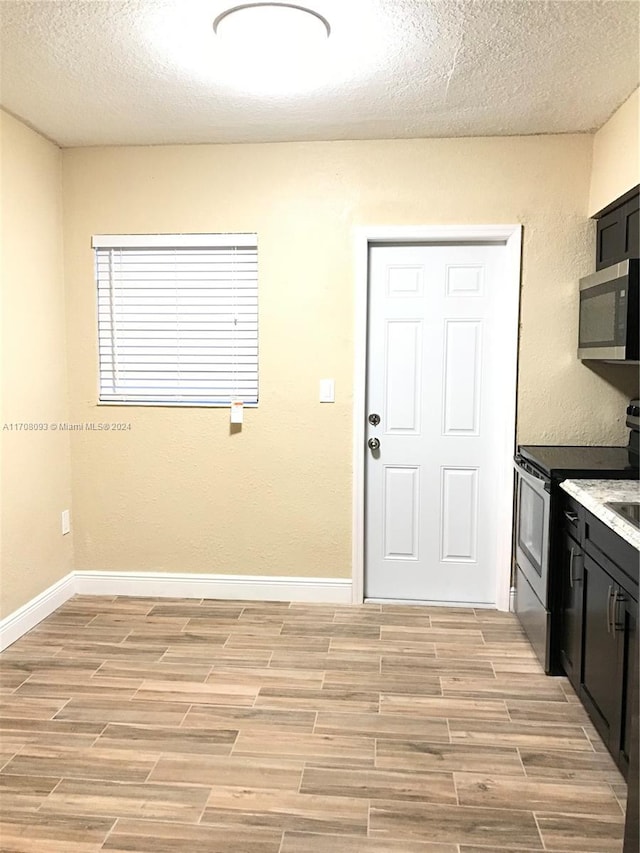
[66, 522]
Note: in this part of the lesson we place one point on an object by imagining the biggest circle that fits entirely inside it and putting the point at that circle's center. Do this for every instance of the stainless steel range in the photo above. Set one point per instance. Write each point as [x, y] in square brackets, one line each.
[540, 469]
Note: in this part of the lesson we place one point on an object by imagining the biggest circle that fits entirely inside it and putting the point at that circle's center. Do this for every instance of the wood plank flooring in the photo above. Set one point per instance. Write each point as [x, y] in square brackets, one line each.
[170, 726]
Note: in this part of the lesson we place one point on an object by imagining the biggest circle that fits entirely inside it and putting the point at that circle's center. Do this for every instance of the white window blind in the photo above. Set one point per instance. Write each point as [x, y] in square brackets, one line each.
[178, 318]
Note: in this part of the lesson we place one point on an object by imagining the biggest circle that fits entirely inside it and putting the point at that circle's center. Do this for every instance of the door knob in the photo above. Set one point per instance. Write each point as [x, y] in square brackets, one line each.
[373, 444]
[374, 419]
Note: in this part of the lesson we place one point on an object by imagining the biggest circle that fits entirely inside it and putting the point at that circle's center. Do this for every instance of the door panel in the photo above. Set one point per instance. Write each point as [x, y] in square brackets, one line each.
[403, 376]
[402, 491]
[434, 349]
[464, 280]
[462, 349]
[405, 280]
[459, 514]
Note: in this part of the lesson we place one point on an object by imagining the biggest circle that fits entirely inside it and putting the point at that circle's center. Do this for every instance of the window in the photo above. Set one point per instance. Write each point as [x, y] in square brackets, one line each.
[177, 318]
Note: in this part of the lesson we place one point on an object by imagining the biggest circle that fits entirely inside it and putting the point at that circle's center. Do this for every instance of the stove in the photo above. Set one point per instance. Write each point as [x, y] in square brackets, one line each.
[569, 462]
[540, 469]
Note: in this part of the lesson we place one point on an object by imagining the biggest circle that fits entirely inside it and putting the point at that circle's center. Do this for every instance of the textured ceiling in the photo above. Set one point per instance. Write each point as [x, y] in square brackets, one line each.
[146, 71]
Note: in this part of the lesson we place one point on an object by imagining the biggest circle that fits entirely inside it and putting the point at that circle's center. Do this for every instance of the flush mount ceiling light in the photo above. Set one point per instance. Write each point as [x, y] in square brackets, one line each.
[279, 20]
[272, 47]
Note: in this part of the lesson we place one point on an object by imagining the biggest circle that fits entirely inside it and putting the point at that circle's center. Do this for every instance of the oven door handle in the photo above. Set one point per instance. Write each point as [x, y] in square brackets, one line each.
[536, 481]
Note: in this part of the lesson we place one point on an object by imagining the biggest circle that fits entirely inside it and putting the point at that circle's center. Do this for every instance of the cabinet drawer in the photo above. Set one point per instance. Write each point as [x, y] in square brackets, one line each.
[571, 516]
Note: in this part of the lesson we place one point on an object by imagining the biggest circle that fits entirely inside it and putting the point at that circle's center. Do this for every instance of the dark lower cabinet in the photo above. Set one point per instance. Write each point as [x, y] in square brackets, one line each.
[601, 687]
[572, 583]
[596, 582]
[627, 630]
[632, 822]
[596, 578]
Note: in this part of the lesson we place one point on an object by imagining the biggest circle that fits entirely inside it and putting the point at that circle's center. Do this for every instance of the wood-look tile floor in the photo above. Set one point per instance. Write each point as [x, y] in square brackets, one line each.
[165, 726]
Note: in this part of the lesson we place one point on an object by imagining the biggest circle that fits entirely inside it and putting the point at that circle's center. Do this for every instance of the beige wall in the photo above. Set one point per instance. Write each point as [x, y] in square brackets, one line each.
[616, 155]
[178, 492]
[36, 483]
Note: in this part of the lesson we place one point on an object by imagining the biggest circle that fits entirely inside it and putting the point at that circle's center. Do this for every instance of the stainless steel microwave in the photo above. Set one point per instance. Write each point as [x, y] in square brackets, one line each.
[609, 308]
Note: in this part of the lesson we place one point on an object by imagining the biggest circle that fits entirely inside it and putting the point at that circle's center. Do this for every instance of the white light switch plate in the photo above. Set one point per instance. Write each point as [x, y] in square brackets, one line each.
[327, 391]
[66, 522]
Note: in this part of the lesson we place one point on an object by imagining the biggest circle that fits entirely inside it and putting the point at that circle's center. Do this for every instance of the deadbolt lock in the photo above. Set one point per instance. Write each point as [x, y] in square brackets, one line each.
[374, 419]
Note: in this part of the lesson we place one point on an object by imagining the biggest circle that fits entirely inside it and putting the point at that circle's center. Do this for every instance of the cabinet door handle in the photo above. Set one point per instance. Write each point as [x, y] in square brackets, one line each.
[573, 556]
[573, 578]
[618, 598]
[609, 609]
[572, 517]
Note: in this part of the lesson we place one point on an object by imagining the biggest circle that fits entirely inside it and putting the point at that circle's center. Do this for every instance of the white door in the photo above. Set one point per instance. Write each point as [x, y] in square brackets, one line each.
[433, 378]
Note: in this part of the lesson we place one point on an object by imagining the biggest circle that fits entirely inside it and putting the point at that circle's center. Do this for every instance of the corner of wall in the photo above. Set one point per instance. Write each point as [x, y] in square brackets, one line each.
[36, 475]
[616, 155]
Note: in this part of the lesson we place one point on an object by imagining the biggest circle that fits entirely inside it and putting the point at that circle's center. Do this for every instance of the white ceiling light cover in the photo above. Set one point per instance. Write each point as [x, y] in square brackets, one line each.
[180, 35]
[272, 48]
[278, 22]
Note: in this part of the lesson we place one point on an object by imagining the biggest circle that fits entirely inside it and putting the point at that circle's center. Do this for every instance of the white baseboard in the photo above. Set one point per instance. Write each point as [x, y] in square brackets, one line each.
[173, 585]
[241, 587]
[478, 605]
[25, 618]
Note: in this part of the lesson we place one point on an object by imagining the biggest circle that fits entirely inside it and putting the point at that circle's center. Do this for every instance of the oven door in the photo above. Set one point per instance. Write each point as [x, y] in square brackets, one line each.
[532, 529]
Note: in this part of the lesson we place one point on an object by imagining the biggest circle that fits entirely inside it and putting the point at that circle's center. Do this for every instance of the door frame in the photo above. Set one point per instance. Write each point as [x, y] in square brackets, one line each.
[511, 237]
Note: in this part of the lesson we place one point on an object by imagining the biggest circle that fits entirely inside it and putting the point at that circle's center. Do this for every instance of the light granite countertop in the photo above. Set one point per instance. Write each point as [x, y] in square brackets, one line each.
[594, 494]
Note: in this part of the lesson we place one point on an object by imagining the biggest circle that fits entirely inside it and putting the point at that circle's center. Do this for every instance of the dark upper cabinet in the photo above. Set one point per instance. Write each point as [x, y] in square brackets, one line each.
[618, 230]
